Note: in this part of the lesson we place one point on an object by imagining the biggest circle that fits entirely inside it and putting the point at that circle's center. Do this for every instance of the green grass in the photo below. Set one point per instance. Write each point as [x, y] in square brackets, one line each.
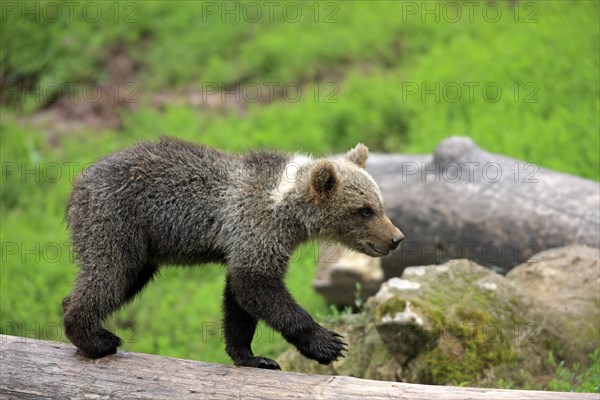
[576, 378]
[365, 58]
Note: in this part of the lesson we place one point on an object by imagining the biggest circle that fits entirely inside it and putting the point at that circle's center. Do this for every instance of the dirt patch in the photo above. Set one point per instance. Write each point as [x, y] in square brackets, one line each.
[95, 105]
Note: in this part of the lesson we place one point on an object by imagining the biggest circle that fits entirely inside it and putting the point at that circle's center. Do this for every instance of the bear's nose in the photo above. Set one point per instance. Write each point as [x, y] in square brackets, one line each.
[397, 239]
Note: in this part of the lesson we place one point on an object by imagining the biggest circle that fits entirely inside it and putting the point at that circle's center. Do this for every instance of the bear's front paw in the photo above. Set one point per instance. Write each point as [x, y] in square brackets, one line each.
[323, 346]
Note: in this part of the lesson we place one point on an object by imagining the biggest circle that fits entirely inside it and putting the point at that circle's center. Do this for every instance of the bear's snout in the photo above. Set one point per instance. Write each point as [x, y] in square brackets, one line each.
[397, 239]
[386, 235]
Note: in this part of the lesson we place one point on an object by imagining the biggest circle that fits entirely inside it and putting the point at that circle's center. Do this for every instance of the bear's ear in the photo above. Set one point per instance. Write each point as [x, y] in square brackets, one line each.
[324, 181]
[358, 155]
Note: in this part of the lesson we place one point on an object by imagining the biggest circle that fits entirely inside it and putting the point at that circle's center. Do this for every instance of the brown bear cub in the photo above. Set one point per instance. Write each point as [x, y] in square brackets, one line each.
[174, 202]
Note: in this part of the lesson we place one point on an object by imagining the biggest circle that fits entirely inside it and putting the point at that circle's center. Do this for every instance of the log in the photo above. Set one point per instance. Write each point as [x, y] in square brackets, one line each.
[464, 202]
[51, 370]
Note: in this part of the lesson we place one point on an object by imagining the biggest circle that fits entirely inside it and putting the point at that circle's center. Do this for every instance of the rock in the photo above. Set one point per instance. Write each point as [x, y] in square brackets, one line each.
[340, 269]
[458, 323]
[566, 280]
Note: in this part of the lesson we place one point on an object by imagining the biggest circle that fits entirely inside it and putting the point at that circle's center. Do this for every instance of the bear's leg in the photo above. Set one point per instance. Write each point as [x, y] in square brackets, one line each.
[144, 276]
[99, 291]
[239, 327]
[265, 297]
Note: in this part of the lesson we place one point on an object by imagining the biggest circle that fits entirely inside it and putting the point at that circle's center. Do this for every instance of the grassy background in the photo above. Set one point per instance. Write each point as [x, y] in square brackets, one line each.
[384, 72]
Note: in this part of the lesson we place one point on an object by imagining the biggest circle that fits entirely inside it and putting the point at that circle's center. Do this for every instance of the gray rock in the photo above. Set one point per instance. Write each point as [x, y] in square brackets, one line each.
[567, 281]
[339, 270]
[460, 322]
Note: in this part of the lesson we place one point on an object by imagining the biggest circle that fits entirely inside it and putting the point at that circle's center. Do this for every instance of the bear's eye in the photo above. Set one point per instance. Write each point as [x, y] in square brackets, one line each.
[366, 212]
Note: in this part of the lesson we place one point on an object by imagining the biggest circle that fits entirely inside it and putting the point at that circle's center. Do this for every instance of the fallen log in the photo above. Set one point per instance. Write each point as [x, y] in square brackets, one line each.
[52, 370]
[464, 202]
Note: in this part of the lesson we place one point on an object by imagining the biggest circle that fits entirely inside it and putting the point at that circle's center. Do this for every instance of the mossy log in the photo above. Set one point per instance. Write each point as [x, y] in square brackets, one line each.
[40, 369]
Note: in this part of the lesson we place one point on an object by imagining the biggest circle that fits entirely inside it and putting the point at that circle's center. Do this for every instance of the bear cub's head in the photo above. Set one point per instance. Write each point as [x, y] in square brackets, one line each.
[349, 205]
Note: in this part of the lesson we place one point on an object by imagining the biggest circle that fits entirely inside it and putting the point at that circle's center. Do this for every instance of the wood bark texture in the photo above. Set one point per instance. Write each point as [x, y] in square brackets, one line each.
[34, 369]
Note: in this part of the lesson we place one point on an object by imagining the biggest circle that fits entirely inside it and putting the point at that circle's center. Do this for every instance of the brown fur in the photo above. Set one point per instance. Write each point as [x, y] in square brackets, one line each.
[173, 202]
[324, 182]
